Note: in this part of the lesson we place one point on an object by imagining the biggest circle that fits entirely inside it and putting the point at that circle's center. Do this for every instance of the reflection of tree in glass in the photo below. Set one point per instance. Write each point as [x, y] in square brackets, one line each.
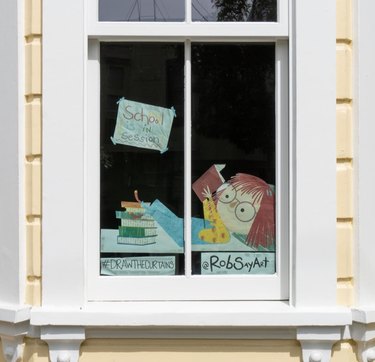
[263, 10]
[232, 10]
[246, 10]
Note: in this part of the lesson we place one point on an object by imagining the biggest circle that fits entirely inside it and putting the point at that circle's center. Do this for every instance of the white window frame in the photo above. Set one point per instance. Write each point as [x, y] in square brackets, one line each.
[12, 210]
[188, 286]
[14, 312]
[312, 201]
[364, 131]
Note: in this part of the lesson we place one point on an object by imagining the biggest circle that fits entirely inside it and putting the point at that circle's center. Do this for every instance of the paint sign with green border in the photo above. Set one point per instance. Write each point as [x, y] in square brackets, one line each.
[146, 265]
[237, 263]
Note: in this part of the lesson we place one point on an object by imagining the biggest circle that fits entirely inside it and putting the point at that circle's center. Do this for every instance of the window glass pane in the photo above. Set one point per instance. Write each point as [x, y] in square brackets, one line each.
[234, 10]
[142, 144]
[141, 10]
[233, 158]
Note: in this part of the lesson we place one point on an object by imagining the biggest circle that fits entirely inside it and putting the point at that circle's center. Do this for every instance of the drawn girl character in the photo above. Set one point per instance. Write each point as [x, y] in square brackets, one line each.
[243, 206]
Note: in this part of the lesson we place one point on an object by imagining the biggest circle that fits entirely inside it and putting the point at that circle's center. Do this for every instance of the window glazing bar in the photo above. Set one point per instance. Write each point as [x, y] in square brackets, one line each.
[187, 159]
[188, 11]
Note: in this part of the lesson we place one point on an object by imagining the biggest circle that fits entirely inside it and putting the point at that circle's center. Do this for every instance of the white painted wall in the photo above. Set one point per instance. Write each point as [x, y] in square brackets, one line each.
[11, 149]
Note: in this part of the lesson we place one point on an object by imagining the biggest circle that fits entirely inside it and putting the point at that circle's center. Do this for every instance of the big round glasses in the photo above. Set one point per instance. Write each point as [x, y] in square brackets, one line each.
[244, 210]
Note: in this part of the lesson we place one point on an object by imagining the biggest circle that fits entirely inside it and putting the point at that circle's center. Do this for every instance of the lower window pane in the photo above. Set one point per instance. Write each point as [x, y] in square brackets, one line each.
[142, 162]
[233, 158]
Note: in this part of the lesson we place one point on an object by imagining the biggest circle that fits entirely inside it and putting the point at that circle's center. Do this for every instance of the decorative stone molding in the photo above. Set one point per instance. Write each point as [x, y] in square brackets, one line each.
[365, 351]
[364, 335]
[317, 342]
[13, 347]
[63, 342]
[12, 335]
[14, 325]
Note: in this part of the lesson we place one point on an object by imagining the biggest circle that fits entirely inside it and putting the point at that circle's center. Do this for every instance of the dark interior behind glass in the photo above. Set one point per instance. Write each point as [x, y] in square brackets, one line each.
[152, 74]
[233, 113]
[233, 122]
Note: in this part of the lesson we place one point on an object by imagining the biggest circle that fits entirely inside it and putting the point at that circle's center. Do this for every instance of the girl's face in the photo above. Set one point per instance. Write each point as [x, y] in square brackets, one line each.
[237, 209]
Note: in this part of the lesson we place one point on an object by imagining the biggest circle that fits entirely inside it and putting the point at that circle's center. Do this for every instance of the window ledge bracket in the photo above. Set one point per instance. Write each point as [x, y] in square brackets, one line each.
[14, 325]
[363, 332]
[317, 342]
[63, 342]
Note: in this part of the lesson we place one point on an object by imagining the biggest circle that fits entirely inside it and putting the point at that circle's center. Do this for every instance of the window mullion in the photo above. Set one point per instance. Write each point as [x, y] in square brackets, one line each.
[187, 159]
[188, 11]
[282, 162]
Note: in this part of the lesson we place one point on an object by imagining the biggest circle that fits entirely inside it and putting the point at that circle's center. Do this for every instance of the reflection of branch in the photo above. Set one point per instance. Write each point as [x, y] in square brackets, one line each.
[195, 8]
[207, 12]
[165, 8]
[131, 12]
[157, 6]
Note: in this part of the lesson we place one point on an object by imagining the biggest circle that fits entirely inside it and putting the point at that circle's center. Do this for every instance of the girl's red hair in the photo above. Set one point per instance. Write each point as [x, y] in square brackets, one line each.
[262, 232]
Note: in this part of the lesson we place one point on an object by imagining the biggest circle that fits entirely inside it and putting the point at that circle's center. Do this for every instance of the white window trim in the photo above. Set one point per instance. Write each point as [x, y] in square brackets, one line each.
[312, 202]
[14, 313]
[12, 211]
[189, 287]
[363, 329]
[364, 113]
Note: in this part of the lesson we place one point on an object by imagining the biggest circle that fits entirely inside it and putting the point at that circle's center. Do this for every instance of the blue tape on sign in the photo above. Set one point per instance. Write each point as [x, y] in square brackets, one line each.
[143, 125]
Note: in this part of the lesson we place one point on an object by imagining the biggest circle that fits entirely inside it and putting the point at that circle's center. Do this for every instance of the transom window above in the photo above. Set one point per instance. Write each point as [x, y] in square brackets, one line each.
[201, 10]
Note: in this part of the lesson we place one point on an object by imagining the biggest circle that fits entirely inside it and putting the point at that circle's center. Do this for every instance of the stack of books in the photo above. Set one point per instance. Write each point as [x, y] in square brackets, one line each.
[136, 228]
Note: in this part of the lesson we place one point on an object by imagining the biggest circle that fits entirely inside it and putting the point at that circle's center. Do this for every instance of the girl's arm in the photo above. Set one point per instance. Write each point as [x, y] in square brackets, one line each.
[218, 233]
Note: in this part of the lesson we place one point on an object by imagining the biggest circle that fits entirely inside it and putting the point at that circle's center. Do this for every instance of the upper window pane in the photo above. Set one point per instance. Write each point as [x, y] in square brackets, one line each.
[234, 10]
[141, 10]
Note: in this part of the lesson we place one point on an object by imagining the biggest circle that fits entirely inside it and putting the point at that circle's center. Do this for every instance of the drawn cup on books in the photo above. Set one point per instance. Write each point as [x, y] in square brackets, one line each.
[137, 228]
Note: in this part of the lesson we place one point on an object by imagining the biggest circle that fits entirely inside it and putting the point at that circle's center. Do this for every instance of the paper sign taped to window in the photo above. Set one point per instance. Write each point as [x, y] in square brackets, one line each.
[143, 125]
[238, 263]
[142, 265]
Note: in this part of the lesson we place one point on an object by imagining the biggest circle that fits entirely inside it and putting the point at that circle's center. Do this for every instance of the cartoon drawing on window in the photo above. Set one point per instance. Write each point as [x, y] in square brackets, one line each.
[136, 228]
[235, 236]
[242, 207]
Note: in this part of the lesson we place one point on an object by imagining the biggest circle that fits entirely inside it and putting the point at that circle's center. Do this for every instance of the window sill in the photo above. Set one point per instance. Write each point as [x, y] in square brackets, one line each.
[191, 314]
[14, 313]
[365, 315]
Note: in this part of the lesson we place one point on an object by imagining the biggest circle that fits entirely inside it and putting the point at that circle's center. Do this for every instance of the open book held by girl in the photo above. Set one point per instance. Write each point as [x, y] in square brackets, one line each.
[243, 207]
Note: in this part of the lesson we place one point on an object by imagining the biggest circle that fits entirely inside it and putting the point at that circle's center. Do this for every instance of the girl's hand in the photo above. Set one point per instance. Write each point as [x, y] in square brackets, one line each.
[207, 193]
